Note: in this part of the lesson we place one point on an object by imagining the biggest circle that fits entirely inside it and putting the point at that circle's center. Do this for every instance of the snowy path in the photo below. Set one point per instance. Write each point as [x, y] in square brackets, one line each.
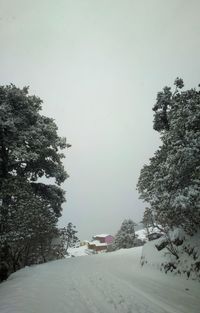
[107, 283]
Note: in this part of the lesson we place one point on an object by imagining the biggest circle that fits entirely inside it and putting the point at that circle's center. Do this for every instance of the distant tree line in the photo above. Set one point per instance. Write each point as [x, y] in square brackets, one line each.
[30, 153]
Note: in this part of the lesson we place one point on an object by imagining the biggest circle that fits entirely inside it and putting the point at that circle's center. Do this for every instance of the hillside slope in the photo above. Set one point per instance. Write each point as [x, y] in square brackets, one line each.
[106, 283]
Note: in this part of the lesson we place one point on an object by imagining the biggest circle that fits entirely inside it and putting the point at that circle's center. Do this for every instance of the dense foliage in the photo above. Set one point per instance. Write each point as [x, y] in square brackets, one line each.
[125, 237]
[29, 155]
[170, 183]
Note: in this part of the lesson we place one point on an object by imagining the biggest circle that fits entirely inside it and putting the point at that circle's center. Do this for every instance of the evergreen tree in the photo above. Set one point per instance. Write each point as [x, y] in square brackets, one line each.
[65, 238]
[171, 181]
[125, 237]
[29, 150]
[148, 220]
[27, 226]
[70, 236]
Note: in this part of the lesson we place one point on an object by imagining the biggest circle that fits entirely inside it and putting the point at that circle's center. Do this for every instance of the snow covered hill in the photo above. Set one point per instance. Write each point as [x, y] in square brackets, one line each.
[106, 283]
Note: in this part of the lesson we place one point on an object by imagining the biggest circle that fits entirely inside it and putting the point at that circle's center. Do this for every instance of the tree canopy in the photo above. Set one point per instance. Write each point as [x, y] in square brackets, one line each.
[30, 154]
[170, 183]
[125, 237]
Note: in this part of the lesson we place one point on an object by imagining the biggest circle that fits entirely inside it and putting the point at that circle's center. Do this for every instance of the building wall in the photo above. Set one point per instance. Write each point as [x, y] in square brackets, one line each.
[100, 248]
[109, 239]
[91, 246]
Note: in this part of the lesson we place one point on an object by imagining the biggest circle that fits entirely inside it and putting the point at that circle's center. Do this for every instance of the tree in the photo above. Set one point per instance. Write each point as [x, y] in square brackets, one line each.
[29, 150]
[171, 181]
[28, 225]
[65, 238]
[148, 220]
[125, 237]
[70, 236]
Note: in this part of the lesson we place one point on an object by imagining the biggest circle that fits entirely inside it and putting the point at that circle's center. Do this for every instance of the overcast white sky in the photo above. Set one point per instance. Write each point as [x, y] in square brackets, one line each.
[97, 65]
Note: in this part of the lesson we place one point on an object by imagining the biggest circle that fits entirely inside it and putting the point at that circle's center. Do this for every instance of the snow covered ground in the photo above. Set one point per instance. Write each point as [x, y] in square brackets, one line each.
[79, 251]
[188, 252]
[105, 283]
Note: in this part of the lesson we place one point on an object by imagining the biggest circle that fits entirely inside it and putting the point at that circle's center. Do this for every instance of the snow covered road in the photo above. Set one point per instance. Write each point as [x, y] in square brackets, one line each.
[106, 283]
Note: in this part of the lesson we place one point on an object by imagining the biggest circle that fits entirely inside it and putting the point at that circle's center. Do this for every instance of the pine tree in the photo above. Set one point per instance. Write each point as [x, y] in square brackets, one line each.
[70, 236]
[125, 237]
[27, 226]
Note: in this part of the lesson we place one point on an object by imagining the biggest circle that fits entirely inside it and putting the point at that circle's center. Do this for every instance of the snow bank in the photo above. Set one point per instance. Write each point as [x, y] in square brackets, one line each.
[153, 257]
[79, 251]
[186, 247]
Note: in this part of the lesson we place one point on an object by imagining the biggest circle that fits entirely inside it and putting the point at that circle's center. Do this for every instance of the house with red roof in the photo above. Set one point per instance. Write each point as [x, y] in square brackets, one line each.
[100, 242]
